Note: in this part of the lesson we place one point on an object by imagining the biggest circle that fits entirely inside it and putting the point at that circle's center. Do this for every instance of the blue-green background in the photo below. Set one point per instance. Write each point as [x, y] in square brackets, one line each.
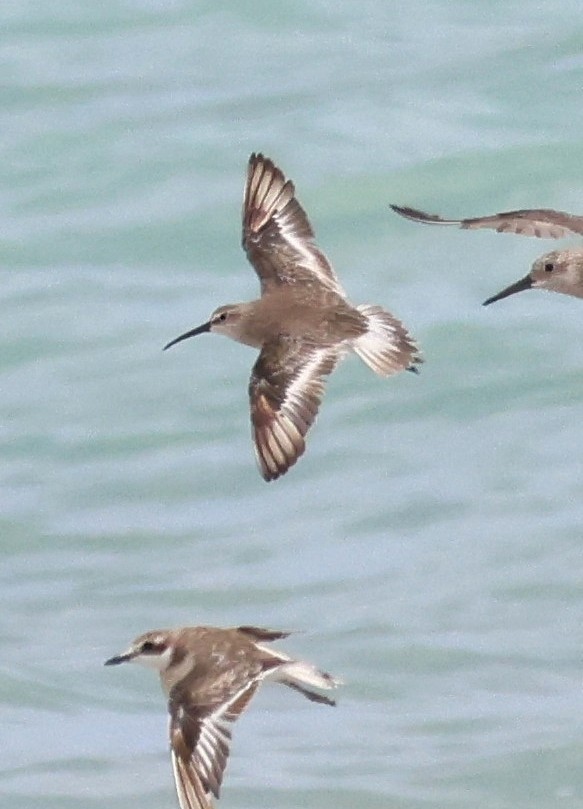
[429, 543]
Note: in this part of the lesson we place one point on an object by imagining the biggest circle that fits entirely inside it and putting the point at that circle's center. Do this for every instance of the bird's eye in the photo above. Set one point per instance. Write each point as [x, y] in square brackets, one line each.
[148, 646]
[549, 266]
[223, 317]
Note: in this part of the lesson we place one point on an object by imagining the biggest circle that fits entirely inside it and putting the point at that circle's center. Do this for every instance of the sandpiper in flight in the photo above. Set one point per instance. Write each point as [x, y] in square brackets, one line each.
[303, 323]
[558, 271]
[209, 675]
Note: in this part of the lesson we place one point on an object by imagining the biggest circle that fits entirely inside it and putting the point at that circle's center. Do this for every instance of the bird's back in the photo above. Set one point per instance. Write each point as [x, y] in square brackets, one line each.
[307, 312]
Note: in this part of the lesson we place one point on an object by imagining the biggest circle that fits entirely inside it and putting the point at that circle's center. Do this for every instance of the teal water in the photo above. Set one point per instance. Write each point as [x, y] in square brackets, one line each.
[429, 542]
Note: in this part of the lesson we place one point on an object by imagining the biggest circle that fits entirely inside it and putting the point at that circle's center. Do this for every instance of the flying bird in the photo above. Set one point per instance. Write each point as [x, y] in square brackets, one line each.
[557, 271]
[303, 323]
[209, 675]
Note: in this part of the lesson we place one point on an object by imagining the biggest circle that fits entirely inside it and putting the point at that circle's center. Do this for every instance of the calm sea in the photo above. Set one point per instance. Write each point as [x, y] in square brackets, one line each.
[429, 544]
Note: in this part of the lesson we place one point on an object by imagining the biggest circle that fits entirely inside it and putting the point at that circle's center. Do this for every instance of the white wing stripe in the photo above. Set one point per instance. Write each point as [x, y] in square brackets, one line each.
[187, 797]
[310, 256]
[215, 734]
[307, 379]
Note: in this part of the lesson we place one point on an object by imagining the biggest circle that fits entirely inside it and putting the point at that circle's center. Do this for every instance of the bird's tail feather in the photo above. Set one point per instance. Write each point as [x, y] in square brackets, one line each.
[386, 347]
[299, 675]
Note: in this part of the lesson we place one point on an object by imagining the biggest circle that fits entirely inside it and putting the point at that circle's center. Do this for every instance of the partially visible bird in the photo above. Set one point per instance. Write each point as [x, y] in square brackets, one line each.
[303, 323]
[209, 675]
[557, 271]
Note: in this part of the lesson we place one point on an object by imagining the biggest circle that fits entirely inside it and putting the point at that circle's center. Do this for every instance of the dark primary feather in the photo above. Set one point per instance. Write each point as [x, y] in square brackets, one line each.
[190, 792]
[277, 235]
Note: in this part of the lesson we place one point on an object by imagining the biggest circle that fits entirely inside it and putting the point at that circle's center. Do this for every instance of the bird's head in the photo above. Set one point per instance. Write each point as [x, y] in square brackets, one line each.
[226, 320]
[558, 271]
[152, 649]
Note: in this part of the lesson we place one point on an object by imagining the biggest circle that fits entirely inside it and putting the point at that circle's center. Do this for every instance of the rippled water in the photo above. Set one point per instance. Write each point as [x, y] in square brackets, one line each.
[429, 542]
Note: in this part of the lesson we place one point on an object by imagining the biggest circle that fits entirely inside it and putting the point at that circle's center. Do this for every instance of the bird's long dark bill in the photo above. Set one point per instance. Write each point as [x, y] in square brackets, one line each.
[191, 333]
[519, 286]
[115, 661]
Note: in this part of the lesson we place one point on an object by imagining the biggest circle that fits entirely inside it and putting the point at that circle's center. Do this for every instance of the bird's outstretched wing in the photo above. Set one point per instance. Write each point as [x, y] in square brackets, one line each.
[277, 235]
[200, 737]
[543, 223]
[285, 391]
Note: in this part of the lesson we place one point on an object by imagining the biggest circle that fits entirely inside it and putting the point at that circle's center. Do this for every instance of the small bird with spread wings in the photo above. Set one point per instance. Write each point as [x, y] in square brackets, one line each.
[303, 323]
[209, 675]
[557, 271]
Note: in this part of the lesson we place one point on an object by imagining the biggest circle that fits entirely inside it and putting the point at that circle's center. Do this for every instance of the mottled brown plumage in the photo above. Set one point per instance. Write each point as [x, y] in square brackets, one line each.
[210, 675]
[303, 324]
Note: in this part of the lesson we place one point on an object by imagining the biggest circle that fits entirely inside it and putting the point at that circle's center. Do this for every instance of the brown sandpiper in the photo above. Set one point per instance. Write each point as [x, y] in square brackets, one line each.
[303, 323]
[557, 271]
[209, 675]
